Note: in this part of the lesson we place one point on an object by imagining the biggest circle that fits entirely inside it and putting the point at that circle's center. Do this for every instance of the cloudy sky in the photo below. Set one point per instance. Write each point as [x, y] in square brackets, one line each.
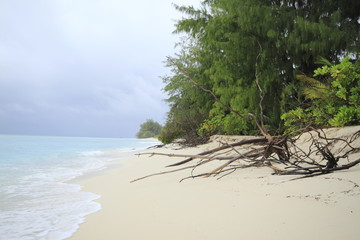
[84, 67]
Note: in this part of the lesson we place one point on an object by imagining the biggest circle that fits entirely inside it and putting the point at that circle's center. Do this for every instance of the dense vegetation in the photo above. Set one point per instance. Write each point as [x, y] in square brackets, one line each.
[258, 57]
[148, 129]
[333, 100]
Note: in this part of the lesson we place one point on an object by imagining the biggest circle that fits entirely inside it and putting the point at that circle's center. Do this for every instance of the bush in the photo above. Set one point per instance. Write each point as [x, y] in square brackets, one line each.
[183, 126]
[149, 129]
[333, 100]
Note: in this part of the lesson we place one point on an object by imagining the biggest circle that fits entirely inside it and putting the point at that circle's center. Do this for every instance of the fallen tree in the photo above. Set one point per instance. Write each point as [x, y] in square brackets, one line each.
[321, 155]
[282, 154]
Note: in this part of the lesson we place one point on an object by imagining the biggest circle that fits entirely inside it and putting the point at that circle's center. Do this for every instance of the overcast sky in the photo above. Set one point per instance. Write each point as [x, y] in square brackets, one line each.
[84, 67]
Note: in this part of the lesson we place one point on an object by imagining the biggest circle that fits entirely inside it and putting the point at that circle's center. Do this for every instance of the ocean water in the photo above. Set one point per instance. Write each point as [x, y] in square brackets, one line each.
[36, 199]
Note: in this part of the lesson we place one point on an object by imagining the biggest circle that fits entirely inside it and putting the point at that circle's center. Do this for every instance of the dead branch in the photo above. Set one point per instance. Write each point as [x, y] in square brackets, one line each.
[223, 147]
[281, 154]
[271, 151]
[182, 155]
[261, 94]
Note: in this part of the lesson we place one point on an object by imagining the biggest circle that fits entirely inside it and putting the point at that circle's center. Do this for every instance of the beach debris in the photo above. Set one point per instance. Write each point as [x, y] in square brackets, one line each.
[317, 154]
[310, 153]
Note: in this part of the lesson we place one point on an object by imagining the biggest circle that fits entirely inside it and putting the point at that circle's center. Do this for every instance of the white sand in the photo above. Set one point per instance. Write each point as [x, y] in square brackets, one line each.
[248, 204]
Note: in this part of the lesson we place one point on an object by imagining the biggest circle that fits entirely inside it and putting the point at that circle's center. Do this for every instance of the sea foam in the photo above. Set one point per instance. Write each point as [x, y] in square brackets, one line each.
[36, 199]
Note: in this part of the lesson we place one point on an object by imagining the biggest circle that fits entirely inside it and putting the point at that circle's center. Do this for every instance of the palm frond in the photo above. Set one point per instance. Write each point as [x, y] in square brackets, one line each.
[313, 89]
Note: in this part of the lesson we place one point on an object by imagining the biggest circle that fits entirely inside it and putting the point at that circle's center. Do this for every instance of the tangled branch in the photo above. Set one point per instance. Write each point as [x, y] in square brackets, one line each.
[282, 154]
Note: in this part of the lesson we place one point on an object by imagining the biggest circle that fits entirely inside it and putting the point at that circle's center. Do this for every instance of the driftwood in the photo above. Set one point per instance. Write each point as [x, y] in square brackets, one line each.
[281, 154]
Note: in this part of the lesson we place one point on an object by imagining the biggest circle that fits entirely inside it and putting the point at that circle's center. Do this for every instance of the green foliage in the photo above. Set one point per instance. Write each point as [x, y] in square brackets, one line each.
[149, 129]
[183, 127]
[338, 106]
[345, 83]
[211, 126]
[228, 124]
[230, 43]
[183, 122]
[312, 88]
[295, 119]
[346, 115]
[189, 105]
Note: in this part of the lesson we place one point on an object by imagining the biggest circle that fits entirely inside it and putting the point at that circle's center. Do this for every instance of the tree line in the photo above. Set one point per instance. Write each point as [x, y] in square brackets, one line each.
[254, 56]
[149, 129]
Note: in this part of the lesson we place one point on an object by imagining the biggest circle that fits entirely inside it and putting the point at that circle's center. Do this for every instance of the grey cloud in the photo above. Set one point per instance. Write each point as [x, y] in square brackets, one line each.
[83, 68]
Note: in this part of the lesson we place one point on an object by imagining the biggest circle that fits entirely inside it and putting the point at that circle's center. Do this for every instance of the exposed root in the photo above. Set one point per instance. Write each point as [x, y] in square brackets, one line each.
[280, 153]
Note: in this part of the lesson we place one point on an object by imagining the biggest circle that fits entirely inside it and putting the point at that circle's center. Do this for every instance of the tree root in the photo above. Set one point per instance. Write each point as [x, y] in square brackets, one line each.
[280, 153]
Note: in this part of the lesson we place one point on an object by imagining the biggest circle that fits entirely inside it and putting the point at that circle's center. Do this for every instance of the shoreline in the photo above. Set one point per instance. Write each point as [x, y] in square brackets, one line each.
[249, 203]
[121, 158]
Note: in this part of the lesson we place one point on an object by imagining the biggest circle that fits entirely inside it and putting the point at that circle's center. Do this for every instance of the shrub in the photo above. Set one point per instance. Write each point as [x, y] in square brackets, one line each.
[333, 99]
[149, 129]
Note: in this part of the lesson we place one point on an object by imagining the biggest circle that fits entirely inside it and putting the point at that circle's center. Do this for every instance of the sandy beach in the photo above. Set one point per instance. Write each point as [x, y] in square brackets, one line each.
[247, 204]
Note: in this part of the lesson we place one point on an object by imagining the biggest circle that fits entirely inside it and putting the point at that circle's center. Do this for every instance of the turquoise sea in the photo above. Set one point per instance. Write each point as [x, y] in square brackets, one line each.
[37, 200]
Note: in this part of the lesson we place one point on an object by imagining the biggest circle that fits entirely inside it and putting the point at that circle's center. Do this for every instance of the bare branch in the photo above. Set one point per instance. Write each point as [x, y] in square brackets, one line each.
[318, 159]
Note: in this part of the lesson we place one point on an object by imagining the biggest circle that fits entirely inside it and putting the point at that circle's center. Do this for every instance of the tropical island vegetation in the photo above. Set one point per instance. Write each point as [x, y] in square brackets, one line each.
[149, 129]
[281, 69]
[288, 63]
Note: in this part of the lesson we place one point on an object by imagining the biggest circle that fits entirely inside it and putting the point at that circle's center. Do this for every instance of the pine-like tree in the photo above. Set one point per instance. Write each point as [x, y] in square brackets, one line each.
[240, 43]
